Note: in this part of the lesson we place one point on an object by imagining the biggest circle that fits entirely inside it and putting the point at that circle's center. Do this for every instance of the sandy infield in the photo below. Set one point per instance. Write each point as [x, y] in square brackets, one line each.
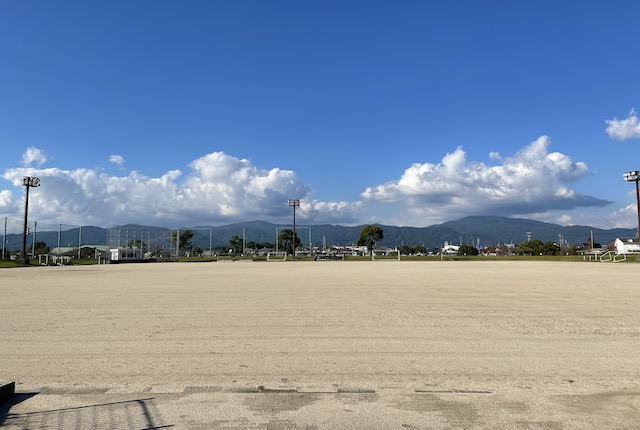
[386, 344]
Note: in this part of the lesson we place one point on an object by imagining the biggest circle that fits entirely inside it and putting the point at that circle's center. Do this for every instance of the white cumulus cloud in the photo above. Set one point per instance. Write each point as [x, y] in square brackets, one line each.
[625, 217]
[33, 156]
[117, 159]
[5, 198]
[624, 129]
[332, 212]
[532, 180]
[219, 188]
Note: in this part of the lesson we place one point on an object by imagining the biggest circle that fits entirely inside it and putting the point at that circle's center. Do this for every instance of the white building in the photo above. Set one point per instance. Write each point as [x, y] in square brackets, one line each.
[627, 245]
[126, 254]
[450, 249]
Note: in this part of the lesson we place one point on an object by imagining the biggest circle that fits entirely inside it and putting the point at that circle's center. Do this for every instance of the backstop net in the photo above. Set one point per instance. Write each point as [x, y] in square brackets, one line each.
[154, 242]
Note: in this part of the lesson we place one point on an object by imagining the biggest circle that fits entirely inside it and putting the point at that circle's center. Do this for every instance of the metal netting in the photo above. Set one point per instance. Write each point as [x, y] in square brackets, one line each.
[11, 236]
[154, 242]
[41, 238]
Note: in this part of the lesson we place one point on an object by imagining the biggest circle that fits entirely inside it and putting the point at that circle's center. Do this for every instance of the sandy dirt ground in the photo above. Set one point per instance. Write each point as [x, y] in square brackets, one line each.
[322, 345]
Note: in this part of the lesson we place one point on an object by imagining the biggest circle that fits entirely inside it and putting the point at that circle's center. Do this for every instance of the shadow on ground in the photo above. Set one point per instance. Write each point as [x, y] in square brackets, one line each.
[13, 400]
[132, 414]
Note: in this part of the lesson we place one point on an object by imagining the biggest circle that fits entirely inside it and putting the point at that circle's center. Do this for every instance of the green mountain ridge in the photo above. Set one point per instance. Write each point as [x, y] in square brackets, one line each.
[486, 230]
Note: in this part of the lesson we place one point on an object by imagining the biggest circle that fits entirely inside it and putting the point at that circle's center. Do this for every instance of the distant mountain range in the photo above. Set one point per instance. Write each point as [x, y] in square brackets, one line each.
[486, 230]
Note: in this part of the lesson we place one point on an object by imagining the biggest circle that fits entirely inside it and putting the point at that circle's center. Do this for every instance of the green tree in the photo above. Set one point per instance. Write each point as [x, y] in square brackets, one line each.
[406, 250]
[412, 250]
[468, 250]
[369, 236]
[420, 249]
[533, 247]
[258, 245]
[40, 248]
[550, 248]
[185, 239]
[235, 245]
[286, 239]
[136, 243]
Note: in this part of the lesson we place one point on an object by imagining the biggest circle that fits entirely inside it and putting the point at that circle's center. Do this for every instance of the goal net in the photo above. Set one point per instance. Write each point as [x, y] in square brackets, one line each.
[277, 256]
[387, 254]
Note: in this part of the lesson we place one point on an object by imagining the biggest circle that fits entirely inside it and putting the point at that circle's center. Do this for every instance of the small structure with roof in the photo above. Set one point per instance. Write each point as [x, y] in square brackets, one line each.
[123, 255]
[627, 245]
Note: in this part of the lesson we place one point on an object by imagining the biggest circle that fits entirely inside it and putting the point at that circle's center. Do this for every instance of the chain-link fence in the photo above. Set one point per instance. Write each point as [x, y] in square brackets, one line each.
[46, 239]
[11, 237]
[152, 242]
[163, 243]
[66, 241]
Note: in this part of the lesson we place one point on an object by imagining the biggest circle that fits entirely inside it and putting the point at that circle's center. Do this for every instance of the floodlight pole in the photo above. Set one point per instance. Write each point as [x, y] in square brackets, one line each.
[634, 176]
[28, 182]
[638, 204]
[295, 203]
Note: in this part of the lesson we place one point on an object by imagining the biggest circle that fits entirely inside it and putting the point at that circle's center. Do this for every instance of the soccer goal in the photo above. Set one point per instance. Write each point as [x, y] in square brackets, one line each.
[613, 257]
[276, 256]
[385, 254]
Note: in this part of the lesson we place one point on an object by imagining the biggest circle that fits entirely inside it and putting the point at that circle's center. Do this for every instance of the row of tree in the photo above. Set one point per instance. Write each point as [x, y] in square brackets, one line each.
[532, 247]
[369, 236]
[286, 241]
[537, 247]
[38, 248]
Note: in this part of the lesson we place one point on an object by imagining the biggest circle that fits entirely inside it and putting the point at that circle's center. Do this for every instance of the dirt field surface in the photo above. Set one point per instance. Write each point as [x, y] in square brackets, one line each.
[322, 345]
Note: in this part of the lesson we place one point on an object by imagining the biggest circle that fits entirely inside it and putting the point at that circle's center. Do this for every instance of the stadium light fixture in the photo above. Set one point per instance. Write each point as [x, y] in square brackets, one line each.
[28, 182]
[634, 176]
[294, 203]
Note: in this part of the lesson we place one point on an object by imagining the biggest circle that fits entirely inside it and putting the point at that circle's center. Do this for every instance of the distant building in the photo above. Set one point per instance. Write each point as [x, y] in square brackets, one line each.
[627, 245]
[450, 249]
[85, 251]
[121, 255]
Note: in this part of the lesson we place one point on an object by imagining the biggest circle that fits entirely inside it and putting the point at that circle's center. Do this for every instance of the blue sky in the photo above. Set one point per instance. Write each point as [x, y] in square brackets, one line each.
[405, 113]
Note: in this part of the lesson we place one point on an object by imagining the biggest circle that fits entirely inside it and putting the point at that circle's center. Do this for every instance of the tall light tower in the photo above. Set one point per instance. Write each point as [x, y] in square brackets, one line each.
[634, 176]
[28, 182]
[295, 203]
